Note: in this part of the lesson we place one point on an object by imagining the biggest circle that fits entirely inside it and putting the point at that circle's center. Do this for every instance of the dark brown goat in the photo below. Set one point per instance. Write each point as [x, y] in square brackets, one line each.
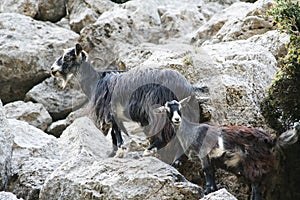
[244, 151]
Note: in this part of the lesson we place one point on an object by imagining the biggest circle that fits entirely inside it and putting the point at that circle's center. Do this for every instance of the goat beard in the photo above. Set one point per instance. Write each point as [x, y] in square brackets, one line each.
[65, 78]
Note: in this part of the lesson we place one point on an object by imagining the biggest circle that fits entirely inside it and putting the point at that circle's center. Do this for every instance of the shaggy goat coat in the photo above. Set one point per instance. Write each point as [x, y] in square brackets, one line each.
[247, 152]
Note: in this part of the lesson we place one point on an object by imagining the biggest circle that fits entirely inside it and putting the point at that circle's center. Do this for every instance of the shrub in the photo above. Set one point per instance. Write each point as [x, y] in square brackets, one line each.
[281, 107]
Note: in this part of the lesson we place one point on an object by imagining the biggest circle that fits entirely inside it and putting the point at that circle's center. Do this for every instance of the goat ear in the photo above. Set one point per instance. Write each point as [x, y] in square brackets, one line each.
[160, 110]
[78, 49]
[185, 100]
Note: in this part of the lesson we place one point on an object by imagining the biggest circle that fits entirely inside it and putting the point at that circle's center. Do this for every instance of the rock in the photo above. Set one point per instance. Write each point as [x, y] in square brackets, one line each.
[28, 49]
[84, 13]
[6, 143]
[31, 175]
[35, 156]
[236, 11]
[256, 22]
[47, 10]
[87, 16]
[240, 29]
[8, 196]
[83, 136]
[64, 23]
[58, 102]
[121, 28]
[274, 41]
[24, 7]
[219, 195]
[230, 25]
[51, 10]
[111, 33]
[178, 23]
[237, 90]
[87, 169]
[147, 178]
[30, 141]
[210, 8]
[56, 128]
[33, 113]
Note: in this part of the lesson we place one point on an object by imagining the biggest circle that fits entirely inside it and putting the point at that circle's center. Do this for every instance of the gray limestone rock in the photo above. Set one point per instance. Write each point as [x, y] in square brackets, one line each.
[33, 113]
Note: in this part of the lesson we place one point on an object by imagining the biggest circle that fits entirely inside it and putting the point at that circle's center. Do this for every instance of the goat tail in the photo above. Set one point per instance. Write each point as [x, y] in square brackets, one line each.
[289, 137]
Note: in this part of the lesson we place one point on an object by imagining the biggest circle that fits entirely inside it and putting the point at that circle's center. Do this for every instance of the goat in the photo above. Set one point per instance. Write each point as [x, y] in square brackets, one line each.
[245, 151]
[129, 96]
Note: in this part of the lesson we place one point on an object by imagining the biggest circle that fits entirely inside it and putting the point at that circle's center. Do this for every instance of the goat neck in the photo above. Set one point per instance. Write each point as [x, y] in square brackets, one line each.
[87, 77]
[186, 133]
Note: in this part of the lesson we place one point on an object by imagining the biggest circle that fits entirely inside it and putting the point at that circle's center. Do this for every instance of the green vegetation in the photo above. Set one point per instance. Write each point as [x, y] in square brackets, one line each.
[281, 107]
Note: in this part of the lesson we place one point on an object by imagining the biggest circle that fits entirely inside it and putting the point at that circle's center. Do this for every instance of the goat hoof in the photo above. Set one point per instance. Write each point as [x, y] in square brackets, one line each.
[208, 190]
[112, 154]
[177, 164]
[147, 153]
[120, 152]
[151, 152]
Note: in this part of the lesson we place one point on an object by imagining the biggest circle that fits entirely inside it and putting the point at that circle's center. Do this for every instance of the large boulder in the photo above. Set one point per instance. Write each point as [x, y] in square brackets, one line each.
[219, 195]
[179, 21]
[274, 41]
[83, 136]
[8, 196]
[239, 21]
[47, 10]
[57, 127]
[57, 101]
[6, 143]
[35, 156]
[24, 7]
[113, 32]
[122, 27]
[239, 74]
[204, 33]
[51, 10]
[84, 13]
[147, 178]
[28, 48]
[88, 173]
[33, 113]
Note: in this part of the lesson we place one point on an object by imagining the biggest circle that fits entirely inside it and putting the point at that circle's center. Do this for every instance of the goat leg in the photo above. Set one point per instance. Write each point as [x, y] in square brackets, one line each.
[209, 175]
[157, 143]
[114, 141]
[117, 133]
[256, 191]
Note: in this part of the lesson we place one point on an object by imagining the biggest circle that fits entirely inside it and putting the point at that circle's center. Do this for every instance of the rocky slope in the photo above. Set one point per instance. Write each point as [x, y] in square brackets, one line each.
[231, 46]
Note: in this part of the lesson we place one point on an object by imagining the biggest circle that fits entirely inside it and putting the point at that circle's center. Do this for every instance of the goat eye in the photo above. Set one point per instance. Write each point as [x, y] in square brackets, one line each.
[67, 58]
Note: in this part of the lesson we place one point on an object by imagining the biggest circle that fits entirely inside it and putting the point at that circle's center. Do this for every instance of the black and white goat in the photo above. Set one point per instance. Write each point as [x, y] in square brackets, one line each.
[247, 152]
[129, 96]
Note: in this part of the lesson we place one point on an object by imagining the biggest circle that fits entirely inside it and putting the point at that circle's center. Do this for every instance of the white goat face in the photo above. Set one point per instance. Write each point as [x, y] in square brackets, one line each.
[173, 109]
